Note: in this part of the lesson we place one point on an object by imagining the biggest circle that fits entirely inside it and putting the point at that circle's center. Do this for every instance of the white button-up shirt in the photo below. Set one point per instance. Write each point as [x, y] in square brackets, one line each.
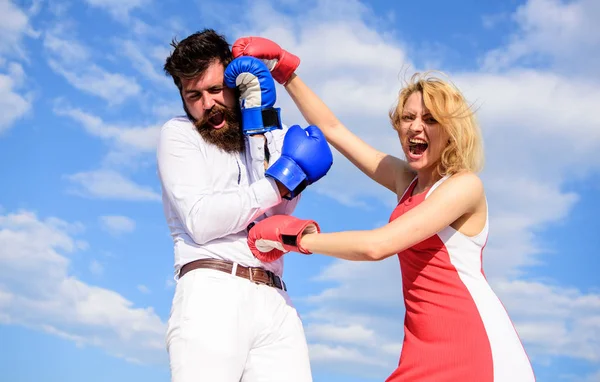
[210, 196]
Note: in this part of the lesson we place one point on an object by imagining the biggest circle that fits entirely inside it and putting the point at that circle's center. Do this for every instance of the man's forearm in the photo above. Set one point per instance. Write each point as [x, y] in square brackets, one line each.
[283, 191]
[210, 216]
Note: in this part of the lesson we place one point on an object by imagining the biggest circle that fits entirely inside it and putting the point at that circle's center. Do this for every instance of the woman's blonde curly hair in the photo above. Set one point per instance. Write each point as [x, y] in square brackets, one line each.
[448, 106]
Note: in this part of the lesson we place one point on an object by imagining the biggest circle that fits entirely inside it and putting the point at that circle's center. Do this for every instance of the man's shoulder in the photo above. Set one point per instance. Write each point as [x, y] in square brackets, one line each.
[179, 130]
[179, 126]
[180, 121]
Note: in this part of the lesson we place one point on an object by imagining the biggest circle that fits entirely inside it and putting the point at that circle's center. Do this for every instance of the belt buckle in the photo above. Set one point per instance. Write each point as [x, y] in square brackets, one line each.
[250, 275]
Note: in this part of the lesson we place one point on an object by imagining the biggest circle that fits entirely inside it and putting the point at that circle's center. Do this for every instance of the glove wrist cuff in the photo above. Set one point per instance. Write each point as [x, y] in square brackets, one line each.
[287, 65]
[292, 235]
[287, 172]
[260, 120]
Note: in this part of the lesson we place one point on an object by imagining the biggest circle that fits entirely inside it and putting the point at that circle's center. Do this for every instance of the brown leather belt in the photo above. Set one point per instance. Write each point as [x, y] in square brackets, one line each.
[256, 275]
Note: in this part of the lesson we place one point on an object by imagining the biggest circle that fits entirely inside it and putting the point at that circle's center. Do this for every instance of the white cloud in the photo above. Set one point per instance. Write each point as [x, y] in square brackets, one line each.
[355, 325]
[160, 52]
[348, 333]
[117, 225]
[58, 9]
[554, 320]
[52, 300]
[129, 148]
[96, 268]
[528, 119]
[108, 184]
[140, 60]
[69, 50]
[137, 138]
[166, 110]
[594, 377]
[144, 289]
[14, 25]
[75, 62]
[119, 9]
[521, 106]
[352, 361]
[515, 216]
[563, 34]
[12, 104]
[354, 279]
[490, 21]
[114, 88]
[129, 145]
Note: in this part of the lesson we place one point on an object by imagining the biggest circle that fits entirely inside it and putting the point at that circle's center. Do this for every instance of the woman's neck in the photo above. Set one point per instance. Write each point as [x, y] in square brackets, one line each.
[425, 180]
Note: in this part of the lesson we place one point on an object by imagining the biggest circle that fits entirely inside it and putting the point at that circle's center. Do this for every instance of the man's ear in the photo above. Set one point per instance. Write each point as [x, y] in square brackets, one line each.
[187, 112]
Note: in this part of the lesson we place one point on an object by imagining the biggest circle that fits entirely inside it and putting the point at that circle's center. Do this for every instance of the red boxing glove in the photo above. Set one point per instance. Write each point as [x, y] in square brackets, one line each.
[281, 63]
[272, 237]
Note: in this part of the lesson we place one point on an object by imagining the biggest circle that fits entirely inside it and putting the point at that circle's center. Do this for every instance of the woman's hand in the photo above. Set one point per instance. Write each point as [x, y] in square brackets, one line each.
[274, 236]
[280, 62]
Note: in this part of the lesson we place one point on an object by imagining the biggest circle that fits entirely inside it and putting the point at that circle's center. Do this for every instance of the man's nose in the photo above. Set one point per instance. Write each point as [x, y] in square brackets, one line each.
[208, 102]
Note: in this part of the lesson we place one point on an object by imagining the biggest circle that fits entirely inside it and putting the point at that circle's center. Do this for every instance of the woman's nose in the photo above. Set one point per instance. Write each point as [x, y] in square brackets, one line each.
[416, 125]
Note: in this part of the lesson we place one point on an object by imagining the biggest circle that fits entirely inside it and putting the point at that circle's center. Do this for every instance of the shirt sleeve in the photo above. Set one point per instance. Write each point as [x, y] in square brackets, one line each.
[186, 182]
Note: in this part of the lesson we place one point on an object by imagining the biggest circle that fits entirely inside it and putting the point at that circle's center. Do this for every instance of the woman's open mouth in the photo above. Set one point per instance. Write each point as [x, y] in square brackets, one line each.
[417, 147]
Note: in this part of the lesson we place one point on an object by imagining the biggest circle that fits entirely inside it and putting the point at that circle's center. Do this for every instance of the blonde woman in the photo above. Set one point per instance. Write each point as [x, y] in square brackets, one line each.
[455, 327]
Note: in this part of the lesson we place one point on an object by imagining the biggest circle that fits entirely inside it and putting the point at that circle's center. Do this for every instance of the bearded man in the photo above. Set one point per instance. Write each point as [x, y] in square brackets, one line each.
[226, 164]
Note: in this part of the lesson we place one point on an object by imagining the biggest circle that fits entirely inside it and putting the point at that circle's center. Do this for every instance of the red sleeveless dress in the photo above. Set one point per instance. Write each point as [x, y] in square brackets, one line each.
[455, 327]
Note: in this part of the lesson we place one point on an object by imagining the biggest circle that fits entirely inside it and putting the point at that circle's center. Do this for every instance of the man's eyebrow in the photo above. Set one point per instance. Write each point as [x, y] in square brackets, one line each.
[211, 87]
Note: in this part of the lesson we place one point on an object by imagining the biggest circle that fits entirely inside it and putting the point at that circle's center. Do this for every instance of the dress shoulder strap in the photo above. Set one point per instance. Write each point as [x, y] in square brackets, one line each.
[409, 189]
[436, 184]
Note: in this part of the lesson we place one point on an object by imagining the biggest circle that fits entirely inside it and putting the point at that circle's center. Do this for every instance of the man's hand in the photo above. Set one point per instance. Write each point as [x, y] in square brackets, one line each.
[274, 236]
[281, 62]
[257, 94]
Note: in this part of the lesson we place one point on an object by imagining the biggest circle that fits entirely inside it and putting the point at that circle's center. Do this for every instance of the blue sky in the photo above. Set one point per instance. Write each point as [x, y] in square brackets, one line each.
[85, 255]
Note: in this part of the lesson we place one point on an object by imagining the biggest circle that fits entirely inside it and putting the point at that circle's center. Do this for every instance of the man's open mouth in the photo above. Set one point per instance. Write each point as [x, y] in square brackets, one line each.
[217, 119]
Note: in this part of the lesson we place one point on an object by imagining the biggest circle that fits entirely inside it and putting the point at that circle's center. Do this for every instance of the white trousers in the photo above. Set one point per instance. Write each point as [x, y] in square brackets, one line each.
[224, 328]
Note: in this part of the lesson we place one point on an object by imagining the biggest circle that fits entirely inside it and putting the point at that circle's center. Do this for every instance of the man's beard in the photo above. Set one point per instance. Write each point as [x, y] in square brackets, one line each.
[228, 138]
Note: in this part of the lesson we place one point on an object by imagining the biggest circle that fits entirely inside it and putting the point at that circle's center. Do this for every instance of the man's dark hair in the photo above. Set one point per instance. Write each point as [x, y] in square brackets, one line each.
[192, 55]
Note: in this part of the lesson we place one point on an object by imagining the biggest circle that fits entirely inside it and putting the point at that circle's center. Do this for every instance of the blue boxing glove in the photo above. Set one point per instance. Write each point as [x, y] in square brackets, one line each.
[257, 94]
[305, 158]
